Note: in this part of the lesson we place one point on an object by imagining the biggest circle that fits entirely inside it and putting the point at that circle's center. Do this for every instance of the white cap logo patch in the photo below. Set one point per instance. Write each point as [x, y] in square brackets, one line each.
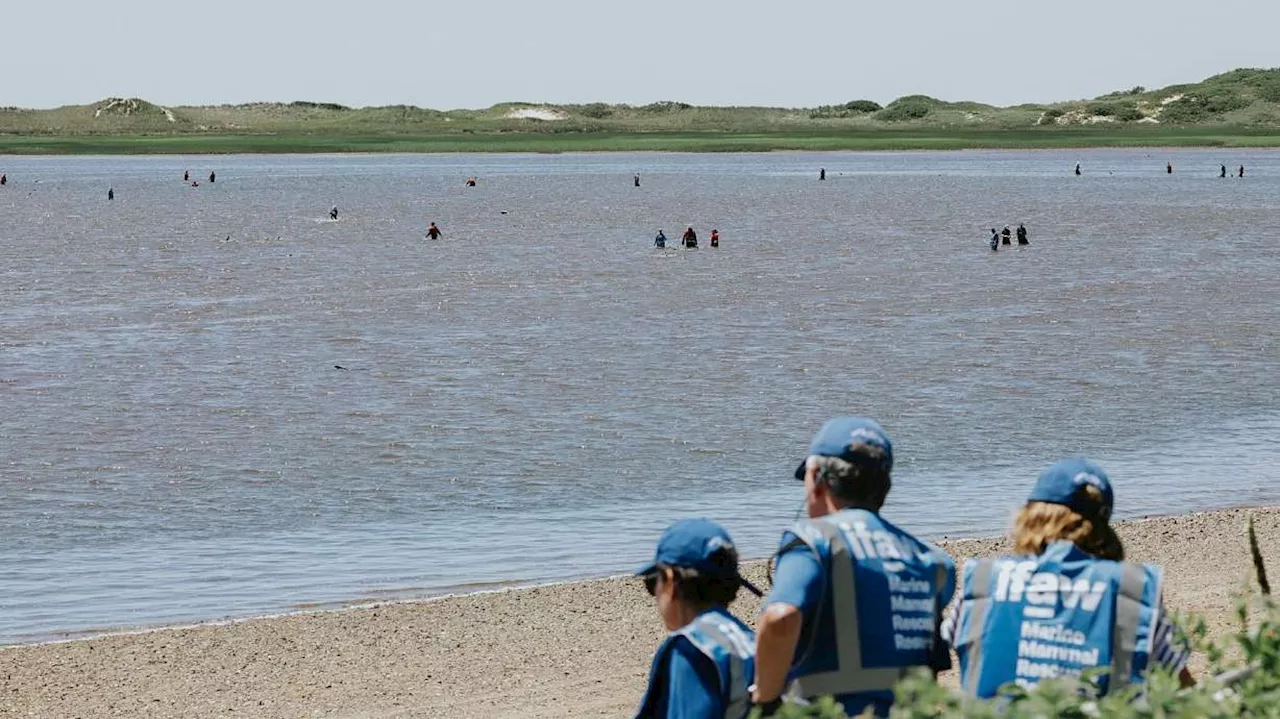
[865, 435]
[1090, 479]
[718, 543]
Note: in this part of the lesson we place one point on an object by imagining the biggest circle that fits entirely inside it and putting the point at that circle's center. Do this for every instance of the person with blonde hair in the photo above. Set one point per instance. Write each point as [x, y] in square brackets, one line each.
[1067, 602]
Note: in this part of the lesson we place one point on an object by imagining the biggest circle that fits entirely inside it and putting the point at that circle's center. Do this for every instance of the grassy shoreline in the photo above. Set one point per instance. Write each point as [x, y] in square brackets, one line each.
[695, 141]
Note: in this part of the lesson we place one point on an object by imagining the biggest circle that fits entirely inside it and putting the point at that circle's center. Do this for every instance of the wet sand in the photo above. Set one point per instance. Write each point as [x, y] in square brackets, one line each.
[570, 650]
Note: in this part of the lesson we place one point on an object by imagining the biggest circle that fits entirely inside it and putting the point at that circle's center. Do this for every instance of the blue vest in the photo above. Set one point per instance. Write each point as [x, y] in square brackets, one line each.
[1030, 618]
[883, 589]
[730, 646]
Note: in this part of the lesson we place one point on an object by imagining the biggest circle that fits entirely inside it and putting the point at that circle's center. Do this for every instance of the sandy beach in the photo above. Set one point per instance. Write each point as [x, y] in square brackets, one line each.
[570, 650]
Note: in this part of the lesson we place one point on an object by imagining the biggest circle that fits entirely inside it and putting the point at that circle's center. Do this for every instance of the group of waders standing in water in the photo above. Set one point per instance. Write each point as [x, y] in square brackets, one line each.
[1004, 236]
[689, 240]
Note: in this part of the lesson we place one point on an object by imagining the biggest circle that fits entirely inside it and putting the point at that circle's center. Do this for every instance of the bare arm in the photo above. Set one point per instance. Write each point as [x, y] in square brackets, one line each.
[776, 640]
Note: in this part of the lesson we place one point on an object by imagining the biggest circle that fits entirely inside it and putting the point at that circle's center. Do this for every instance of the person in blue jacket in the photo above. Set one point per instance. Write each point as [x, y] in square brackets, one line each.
[1067, 602]
[856, 602]
[660, 240]
[704, 667]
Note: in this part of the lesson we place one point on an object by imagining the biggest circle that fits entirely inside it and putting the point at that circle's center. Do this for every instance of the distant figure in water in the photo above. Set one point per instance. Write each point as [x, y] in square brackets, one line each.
[637, 179]
[1168, 168]
[1224, 171]
[690, 239]
[213, 177]
[660, 241]
[1005, 234]
[1077, 169]
[195, 184]
[715, 238]
[1241, 171]
[4, 180]
[186, 176]
[333, 214]
[1022, 235]
[434, 232]
[822, 173]
[111, 193]
[995, 240]
[471, 182]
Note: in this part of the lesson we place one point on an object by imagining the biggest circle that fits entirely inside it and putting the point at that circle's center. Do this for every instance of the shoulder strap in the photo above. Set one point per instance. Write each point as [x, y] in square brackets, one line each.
[1125, 624]
[977, 598]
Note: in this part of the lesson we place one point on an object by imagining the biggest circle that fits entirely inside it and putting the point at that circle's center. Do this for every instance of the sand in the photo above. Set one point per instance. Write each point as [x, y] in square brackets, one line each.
[570, 650]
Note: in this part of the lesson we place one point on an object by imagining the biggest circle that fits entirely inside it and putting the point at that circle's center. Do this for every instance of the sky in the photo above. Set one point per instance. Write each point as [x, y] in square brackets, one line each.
[475, 53]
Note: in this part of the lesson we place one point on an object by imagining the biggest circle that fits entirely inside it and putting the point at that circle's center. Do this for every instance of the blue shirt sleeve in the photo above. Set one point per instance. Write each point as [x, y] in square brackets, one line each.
[798, 578]
[693, 688]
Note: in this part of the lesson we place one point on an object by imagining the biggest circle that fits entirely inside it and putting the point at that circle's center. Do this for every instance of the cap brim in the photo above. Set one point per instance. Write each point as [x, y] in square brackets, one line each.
[804, 463]
[649, 568]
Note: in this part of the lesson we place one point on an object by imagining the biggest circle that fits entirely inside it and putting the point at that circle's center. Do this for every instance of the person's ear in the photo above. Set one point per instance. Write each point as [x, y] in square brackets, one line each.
[669, 581]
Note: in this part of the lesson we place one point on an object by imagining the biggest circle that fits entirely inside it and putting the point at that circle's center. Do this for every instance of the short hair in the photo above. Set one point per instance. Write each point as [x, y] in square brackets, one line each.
[721, 588]
[1040, 523]
[863, 482]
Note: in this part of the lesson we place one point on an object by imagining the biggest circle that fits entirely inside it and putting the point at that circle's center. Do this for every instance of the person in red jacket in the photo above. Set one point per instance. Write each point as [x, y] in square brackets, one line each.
[690, 239]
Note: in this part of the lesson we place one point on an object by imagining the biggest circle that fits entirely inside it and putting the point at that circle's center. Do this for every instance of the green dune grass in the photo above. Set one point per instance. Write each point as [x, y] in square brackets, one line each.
[1236, 109]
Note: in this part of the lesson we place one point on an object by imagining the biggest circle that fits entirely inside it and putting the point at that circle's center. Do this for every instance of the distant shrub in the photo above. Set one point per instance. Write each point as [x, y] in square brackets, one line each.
[319, 105]
[1105, 109]
[1050, 116]
[1269, 90]
[911, 107]
[1195, 108]
[1225, 101]
[849, 109]
[862, 106]
[1135, 90]
[665, 106]
[596, 110]
[1130, 113]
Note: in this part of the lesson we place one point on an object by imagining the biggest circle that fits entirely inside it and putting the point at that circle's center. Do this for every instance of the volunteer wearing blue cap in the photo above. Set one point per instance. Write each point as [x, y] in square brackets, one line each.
[856, 601]
[704, 667]
[1068, 602]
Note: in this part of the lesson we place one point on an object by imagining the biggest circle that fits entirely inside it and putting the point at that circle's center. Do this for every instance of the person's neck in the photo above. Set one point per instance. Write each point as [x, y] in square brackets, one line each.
[855, 505]
[690, 611]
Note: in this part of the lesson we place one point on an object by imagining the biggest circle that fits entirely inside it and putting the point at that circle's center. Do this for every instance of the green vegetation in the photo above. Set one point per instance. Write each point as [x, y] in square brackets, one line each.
[1246, 687]
[1238, 108]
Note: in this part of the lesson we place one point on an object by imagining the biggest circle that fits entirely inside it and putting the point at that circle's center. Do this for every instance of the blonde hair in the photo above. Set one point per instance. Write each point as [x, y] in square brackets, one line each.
[1040, 523]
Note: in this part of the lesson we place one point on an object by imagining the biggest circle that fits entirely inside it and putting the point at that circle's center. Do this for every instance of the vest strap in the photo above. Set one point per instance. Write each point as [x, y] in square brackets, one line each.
[1124, 633]
[737, 698]
[979, 604]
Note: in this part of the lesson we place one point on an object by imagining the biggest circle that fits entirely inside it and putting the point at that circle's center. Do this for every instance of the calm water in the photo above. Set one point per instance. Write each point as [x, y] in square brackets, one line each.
[535, 396]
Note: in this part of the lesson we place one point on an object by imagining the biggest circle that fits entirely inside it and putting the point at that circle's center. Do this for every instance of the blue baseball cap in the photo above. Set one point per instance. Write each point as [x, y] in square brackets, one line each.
[843, 437]
[695, 544]
[1061, 484]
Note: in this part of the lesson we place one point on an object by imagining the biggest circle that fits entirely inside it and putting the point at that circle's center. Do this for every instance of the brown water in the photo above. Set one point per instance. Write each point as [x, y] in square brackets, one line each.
[536, 395]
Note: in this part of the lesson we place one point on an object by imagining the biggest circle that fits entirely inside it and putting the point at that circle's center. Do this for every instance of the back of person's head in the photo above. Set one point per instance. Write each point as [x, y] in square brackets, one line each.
[853, 458]
[715, 588]
[702, 561]
[1072, 502]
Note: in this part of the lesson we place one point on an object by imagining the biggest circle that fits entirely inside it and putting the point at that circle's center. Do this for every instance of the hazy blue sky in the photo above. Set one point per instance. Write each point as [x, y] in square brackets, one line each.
[474, 53]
